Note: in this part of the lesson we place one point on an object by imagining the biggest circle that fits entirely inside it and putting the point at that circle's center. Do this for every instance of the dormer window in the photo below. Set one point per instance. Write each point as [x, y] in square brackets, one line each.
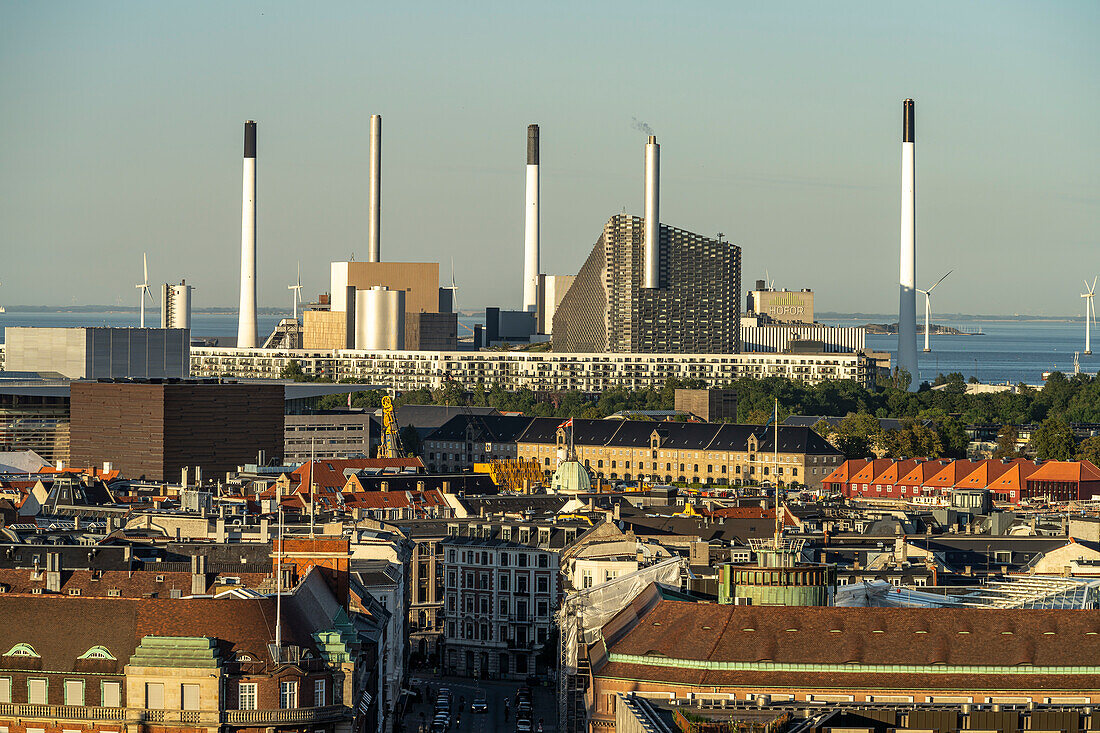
[22, 650]
[97, 652]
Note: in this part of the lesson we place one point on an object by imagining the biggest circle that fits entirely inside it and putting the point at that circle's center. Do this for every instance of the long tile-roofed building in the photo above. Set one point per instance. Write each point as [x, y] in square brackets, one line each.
[719, 453]
[657, 644]
[1006, 480]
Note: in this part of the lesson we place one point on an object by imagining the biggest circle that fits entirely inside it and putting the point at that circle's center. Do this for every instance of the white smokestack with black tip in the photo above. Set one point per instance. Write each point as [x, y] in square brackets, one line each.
[246, 323]
[652, 277]
[374, 218]
[907, 307]
[531, 223]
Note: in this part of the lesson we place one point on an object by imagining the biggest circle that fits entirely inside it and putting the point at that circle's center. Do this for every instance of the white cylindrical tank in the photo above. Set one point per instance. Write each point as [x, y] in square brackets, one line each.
[380, 319]
[181, 306]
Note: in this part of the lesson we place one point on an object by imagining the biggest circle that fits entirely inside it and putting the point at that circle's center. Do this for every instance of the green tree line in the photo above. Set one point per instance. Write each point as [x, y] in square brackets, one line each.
[933, 419]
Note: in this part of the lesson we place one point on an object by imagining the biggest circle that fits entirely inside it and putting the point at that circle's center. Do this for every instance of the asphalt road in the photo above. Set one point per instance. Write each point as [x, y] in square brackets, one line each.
[491, 721]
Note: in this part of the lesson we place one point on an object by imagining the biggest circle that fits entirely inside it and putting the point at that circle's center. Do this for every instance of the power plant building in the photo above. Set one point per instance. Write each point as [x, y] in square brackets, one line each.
[425, 321]
[695, 307]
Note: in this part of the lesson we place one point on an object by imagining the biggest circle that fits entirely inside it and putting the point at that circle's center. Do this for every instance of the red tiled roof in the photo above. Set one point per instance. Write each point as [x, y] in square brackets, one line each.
[867, 474]
[330, 473]
[97, 472]
[377, 500]
[833, 635]
[921, 473]
[744, 512]
[845, 470]
[896, 470]
[1014, 478]
[952, 473]
[985, 473]
[1071, 471]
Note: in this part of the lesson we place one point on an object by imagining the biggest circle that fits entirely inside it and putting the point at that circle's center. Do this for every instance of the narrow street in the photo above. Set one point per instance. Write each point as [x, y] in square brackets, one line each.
[491, 721]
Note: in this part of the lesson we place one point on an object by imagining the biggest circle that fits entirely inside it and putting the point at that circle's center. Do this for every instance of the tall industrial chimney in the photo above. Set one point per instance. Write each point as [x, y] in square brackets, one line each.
[652, 263]
[374, 223]
[531, 223]
[246, 324]
[907, 307]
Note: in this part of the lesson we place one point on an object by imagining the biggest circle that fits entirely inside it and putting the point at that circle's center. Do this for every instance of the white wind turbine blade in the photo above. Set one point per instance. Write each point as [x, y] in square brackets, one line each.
[940, 280]
[454, 288]
[145, 265]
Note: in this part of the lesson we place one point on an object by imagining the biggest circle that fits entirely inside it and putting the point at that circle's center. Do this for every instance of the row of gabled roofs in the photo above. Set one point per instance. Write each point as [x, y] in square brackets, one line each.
[999, 476]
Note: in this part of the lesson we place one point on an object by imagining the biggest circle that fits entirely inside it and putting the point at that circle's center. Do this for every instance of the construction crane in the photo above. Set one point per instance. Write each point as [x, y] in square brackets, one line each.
[390, 445]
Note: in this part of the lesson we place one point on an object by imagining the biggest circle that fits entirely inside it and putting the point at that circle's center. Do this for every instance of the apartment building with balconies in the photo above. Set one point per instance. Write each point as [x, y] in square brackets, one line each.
[501, 590]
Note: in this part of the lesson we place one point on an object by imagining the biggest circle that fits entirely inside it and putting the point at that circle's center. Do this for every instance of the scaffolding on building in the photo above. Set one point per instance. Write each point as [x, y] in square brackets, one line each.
[580, 620]
[512, 474]
[1028, 591]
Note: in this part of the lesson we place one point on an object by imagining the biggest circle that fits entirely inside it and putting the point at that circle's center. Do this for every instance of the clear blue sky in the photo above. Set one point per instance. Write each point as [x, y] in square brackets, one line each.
[121, 125]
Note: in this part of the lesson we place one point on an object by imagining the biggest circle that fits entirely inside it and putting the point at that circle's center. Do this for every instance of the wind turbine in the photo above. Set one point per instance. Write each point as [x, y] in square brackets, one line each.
[928, 309]
[453, 288]
[297, 291]
[1090, 310]
[454, 297]
[144, 289]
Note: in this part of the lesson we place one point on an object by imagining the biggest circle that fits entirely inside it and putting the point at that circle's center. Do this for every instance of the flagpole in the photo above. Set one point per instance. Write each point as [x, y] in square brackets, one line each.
[279, 588]
[775, 477]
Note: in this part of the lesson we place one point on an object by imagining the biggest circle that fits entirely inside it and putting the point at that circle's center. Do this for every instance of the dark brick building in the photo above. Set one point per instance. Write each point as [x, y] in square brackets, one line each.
[154, 430]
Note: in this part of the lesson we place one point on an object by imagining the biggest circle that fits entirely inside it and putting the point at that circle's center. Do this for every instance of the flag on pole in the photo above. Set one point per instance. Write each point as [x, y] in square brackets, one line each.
[349, 400]
[567, 424]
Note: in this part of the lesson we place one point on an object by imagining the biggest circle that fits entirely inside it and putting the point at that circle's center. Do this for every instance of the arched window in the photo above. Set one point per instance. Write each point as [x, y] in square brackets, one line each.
[97, 652]
[22, 650]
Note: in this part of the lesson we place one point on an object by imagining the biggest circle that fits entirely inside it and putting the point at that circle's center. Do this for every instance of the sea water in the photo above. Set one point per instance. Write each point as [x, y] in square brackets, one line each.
[1009, 349]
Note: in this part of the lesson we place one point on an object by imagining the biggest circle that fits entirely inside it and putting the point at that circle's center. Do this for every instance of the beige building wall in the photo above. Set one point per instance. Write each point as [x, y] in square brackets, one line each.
[324, 330]
[714, 467]
[419, 280]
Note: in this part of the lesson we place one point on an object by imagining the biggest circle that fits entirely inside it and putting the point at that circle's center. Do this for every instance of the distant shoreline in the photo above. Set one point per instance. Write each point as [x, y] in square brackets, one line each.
[873, 317]
[826, 315]
[126, 309]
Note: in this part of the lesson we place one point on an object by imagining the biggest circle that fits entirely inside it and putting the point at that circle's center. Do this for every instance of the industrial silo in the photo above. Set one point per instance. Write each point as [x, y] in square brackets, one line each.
[380, 319]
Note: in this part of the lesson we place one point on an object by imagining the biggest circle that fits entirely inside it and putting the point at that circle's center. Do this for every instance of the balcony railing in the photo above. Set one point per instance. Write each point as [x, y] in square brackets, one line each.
[208, 718]
[59, 712]
[294, 715]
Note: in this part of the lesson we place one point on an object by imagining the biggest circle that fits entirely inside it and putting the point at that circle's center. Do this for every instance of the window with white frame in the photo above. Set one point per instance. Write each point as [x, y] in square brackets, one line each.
[189, 695]
[246, 696]
[5, 689]
[318, 693]
[110, 695]
[37, 690]
[288, 695]
[74, 692]
[154, 695]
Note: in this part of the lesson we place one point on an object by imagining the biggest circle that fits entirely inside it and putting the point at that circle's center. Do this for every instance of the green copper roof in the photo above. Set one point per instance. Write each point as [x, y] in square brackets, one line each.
[176, 651]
